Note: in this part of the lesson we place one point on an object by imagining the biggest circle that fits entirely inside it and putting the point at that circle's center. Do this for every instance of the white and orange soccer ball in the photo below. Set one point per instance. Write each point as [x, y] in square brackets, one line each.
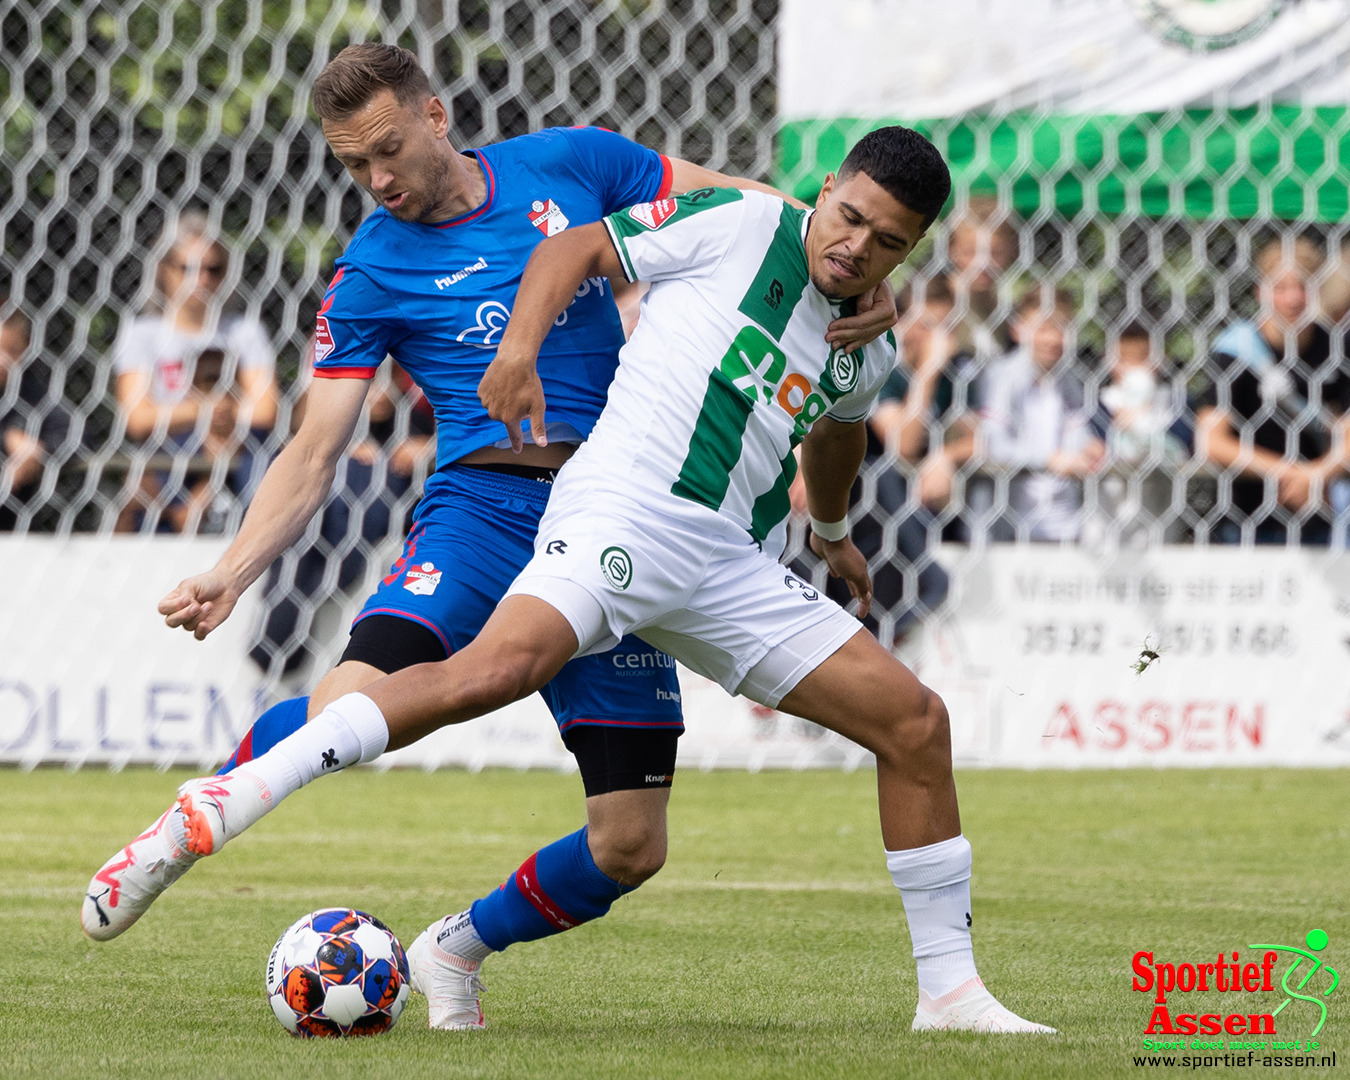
[335, 973]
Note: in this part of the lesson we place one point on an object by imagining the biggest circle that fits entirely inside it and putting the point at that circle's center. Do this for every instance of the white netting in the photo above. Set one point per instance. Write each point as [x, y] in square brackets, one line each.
[119, 117]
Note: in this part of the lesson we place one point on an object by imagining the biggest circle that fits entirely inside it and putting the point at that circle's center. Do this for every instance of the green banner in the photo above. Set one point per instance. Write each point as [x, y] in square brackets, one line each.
[1285, 161]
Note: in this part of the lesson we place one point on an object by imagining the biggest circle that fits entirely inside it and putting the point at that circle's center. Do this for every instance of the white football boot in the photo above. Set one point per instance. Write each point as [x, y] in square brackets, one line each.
[450, 983]
[216, 809]
[970, 1007]
[128, 883]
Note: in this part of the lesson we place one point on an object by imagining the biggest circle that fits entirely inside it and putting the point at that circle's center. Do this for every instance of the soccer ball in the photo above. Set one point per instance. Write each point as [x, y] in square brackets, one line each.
[337, 972]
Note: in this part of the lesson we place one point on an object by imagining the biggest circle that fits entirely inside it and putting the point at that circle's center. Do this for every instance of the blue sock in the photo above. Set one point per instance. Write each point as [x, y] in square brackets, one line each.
[557, 888]
[282, 719]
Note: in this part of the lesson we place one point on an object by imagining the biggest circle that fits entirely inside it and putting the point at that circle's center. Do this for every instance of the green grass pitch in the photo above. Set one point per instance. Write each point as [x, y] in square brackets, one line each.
[772, 945]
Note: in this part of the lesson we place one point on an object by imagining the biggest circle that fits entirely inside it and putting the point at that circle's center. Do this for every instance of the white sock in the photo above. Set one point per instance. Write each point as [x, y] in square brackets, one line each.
[350, 731]
[458, 937]
[934, 883]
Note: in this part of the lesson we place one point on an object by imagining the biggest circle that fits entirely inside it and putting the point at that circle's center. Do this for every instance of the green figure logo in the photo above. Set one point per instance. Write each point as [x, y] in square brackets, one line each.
[754, 364]
[1316, 940]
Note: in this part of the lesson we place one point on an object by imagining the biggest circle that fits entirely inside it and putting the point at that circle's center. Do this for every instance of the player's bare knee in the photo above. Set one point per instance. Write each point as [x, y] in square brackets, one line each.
[921, 732]
[629, 855]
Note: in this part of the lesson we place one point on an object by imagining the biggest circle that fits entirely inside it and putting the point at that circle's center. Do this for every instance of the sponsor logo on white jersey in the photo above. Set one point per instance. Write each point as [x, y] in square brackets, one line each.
[422, 580]
[653, 214]
[547, 217]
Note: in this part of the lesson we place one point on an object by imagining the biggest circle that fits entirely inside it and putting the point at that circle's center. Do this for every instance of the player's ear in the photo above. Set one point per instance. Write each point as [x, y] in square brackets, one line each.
[437, 117]
[825, 190]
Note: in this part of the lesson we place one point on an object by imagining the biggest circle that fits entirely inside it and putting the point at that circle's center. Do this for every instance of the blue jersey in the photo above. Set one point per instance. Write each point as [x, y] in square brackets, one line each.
[437, 297]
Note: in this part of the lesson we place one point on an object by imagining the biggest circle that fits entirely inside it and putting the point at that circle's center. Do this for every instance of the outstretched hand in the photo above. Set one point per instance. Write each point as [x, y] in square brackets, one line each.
[200, 604]
[847, 562]
[510, 390]
[876, 314]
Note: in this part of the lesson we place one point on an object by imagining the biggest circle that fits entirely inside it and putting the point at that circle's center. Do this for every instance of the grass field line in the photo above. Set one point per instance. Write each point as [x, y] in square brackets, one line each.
[677, 884]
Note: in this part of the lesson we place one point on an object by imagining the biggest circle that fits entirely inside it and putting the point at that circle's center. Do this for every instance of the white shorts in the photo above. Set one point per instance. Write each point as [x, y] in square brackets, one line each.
[687, 581]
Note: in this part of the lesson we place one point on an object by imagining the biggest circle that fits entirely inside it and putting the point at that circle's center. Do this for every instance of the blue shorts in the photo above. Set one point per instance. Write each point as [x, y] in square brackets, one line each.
[472, 534]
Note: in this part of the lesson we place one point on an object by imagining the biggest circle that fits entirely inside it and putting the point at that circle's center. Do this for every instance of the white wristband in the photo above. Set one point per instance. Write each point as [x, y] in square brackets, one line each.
[830, 530]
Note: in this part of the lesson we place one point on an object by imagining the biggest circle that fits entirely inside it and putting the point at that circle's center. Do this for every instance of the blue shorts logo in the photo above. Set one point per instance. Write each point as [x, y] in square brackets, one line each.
[422, 580]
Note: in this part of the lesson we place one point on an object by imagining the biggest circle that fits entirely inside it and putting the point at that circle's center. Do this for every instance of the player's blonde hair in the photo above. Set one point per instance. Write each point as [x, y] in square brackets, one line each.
[359, 72]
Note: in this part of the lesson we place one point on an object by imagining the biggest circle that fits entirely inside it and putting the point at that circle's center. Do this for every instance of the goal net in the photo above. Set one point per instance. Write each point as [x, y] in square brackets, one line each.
[1171, 177]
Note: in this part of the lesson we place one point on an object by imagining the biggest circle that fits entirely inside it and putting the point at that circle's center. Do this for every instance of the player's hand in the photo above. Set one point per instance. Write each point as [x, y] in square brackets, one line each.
[876, 315]
[200, 604]
[847, 562]
[510, 390]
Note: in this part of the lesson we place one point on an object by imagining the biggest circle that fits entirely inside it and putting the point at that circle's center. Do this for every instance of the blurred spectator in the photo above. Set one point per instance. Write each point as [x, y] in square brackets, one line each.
[1275, 416]
[192, 380]
[981, 246]
[924, 413]
[30, 426]
[1034, 424]
[376, 474]
[1145, 435]
[923, 402]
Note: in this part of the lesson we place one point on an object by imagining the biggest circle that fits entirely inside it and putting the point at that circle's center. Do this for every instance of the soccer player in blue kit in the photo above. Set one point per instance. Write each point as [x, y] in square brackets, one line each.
[429, 279]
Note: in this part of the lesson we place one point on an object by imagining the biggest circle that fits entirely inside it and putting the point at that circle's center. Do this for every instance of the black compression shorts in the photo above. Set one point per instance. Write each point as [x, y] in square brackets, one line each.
[622, 759]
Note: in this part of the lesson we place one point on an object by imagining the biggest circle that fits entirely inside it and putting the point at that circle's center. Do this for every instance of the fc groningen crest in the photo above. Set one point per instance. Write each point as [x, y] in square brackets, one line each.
[843, 370]
[1207, 25]
[617, 567]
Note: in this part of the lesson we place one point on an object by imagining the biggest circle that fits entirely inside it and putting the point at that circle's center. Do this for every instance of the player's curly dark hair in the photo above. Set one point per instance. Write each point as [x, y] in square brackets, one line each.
[904, 163]
[361, 71]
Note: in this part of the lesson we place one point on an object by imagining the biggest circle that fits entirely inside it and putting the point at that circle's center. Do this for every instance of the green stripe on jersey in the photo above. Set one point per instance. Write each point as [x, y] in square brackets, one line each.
[715, 447]
[781, 278]
[773, 506]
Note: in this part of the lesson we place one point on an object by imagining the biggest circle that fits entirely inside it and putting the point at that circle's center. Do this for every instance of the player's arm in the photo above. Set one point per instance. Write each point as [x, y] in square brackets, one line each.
[510, 389]
[294, 487]
[685, 176]
[877, 312]
[832, 452]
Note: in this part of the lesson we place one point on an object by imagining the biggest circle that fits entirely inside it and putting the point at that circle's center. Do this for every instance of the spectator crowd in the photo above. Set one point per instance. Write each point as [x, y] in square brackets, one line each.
[1014, 414]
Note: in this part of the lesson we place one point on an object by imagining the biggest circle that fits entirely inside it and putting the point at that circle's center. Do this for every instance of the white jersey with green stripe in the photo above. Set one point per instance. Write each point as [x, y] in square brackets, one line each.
[729, 367]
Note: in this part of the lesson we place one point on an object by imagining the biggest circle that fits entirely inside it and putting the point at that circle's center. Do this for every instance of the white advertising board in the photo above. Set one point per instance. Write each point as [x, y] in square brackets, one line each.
[1044, 660]
[1035, 658]
[90, 673]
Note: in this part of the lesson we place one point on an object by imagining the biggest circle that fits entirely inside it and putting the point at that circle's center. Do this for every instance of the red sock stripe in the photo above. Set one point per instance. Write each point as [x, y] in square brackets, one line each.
[245, 751]
[527, 882]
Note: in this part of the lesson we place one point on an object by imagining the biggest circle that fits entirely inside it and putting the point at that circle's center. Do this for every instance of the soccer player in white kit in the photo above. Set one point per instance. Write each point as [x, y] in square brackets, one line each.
[668, 522]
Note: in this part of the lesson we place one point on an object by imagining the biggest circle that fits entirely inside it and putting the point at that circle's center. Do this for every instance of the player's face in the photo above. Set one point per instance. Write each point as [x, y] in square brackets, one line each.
[394, 151]
[858, 235]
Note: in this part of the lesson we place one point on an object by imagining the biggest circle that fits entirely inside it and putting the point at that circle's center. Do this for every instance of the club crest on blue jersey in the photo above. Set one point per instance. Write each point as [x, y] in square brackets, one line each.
[436, 297]
[422, 580]
[547, 217]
